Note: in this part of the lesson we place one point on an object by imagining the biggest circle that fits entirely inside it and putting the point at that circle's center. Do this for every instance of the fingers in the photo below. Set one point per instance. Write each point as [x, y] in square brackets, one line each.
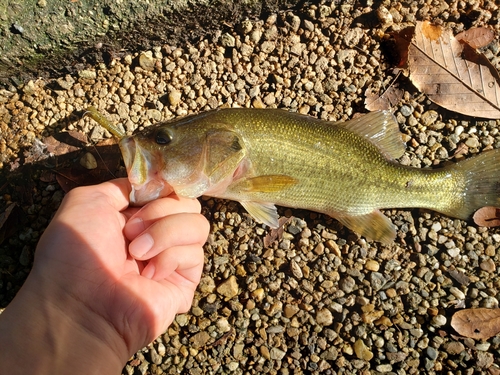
[156, 210]
[175, 230]
[180, 265]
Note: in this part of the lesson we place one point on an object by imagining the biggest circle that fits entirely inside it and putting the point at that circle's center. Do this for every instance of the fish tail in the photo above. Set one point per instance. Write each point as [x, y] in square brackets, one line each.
[481, 183]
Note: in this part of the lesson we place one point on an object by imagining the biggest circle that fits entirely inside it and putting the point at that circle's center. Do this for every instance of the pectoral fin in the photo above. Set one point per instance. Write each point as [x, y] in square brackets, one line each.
[374, 226]
[263, 212]
[266, 184]
[223, 151]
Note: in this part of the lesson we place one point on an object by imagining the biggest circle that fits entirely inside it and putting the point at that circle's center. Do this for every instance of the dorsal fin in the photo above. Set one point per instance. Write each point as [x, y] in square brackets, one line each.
[381, 129]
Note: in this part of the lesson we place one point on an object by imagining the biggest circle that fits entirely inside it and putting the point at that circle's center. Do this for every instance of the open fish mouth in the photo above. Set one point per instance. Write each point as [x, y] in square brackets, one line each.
[146, 181]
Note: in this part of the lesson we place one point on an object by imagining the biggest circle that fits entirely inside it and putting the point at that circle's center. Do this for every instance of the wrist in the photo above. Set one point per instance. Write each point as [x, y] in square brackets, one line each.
[44, 331]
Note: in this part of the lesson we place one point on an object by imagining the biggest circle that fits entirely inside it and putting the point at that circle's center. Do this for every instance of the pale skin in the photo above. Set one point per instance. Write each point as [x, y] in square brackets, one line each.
[106, 281]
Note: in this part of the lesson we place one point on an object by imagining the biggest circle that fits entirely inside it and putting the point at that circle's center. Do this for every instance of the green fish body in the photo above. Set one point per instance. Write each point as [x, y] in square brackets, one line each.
[265, 157]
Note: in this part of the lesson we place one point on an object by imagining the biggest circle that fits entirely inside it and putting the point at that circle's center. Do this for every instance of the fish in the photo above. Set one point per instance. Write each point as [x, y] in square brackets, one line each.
[267, 157]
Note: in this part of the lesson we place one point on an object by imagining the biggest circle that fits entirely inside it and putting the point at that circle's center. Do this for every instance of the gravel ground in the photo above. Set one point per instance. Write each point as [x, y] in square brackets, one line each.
[318, 298]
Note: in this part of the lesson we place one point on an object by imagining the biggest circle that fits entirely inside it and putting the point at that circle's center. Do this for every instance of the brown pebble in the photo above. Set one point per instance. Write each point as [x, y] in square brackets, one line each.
[488, 265]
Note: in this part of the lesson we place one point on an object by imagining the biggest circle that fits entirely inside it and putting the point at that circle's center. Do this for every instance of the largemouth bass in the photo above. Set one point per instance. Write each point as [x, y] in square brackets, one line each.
[263, 157]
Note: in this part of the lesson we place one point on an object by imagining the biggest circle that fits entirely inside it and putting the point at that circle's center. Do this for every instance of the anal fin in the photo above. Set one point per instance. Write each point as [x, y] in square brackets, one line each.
[263, 212]
[374, 226]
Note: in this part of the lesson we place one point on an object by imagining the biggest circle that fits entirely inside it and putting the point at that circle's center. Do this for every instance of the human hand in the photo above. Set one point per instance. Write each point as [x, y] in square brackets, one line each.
[91, 265]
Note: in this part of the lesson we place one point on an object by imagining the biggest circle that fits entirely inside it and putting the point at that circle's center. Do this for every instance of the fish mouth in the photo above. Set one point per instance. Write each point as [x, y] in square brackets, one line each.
[144, 172]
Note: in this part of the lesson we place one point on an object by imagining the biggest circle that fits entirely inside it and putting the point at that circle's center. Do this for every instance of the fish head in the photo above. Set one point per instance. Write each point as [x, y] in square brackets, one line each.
[188, 157]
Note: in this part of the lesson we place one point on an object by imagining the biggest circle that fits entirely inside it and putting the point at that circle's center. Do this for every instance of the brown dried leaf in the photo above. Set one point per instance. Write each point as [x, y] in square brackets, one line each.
[276, 234]
[477, 37]
[478, 323]
[387, 100]
[488, 216]
[452, 74]
[107, 156]
[402, 40]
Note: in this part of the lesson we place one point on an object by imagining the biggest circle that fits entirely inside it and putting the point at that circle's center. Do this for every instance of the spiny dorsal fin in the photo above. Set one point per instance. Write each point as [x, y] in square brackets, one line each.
[381, 129]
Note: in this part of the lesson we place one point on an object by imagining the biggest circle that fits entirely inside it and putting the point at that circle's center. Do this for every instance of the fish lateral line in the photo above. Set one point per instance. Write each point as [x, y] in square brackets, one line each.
[98, 117]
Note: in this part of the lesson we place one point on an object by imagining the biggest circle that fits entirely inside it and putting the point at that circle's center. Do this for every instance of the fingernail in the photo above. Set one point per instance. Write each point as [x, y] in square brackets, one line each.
[141, 245]
[149, 271]
[136, 225]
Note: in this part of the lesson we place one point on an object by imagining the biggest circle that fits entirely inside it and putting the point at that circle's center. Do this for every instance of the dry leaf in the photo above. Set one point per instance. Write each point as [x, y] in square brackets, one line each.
[107, 156]
[387, 100]
[487, 216]
[478, 323]
[452, 74]
[477, 37]
[277, 233]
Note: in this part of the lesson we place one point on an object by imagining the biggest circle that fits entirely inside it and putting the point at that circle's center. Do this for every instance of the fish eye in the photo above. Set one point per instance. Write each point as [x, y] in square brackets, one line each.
[162, 137]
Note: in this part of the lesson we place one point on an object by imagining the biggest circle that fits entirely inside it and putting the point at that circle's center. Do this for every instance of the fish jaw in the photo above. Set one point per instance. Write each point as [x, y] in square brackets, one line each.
[144, 173]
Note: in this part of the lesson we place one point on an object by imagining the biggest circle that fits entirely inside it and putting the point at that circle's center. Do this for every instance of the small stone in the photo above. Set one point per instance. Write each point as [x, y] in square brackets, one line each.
[264, 351]
[147, 61]
[174, 97]
[438, 321]
[88, 161]
[182, 320]
[472, 142]
[87, 74]
[207, 285]
[223, 325]
[66, 83]
[277, 354]
[258, 294]
[488, 265]
[377, 280]
[384, 16]
[296, 270]
[332, 245]
[290, 310]
[454, 347]
[384, 368]
[362, 351]
[200, 339]
[232, 366]
[457, 293]
[431, 352]
[391, 292]
[372, 265]
[347, 284]
[453, 252]
[429, 117]
[324, 317]
[227, 40]
[228, 288]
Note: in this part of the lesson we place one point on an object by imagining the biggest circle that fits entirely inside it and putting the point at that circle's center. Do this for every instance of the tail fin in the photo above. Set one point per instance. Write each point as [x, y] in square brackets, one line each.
[482, 183]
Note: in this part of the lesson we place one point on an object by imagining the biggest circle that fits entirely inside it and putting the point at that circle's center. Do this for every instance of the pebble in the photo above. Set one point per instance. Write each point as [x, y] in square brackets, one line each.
[290, 310]
[438, 320]
[88, 161]
[147, 61]
[228, 288]
[324, 317]
[372, 265]
[488, 265]
[347, 284]
[362, 351]
[453, 347]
